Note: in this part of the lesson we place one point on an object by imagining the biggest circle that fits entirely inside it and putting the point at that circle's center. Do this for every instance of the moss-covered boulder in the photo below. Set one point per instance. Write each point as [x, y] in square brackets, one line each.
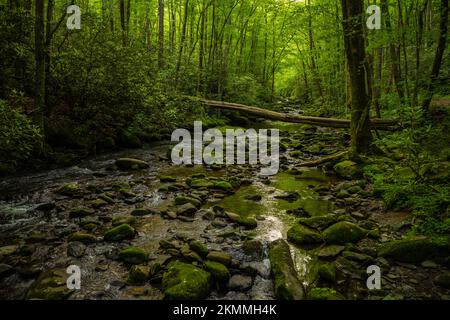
[199, 247]
[218, 270]
[80, 212]
[50, 285]
[119, 233]
[302, 235]
[286, 283]
[247, 222]
[82, 237]
[133, 255]
[319, 222]
[131, 164]
[415, 250]
[187, 209]
[348, 169]
[180, 200]
[344, 232]
[223, 185]
[184, 281]
[200, 183]
[138, 274]
[327, 272]
[123, 219]
[324, 294]
[219, 256]
[70, 189]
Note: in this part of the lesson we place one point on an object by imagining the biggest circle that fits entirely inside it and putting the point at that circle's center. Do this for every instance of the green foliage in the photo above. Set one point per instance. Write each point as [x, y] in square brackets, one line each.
[19, 138]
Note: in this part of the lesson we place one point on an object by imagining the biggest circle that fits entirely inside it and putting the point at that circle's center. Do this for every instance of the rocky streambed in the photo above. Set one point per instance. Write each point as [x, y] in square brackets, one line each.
[142, 228]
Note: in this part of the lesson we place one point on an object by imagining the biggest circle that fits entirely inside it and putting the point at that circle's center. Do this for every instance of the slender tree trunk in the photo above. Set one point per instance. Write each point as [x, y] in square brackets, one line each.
[40, 60]
[353, 13]
[183, 35]
[443, 27]
[419, 36]
[161, 34]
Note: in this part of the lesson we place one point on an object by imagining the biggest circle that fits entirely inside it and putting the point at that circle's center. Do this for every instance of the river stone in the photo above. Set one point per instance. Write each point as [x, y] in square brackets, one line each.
[344, 232]
[223, 185]
[240, 282]
[180, 200]
[199, 248]
[324, 294]
[218, 271]
[80, 212]
[330, 251]
[327, 272]
[133, 255]
[253, 197]
[187, 209]
[50, 285]
[290, 196]
[76, 249]
[129, 163]
[142, 212]
[302, 235]
[184, 281]
[85, 238]
[167, 179]
[347, 169]
[319, 222]
[359, 257]
[119, 233]
[45, 206]
[286, 282]
[138, 274]
[253, 248]
[220, 257]
[70, 189]
[118, 220]
[443, 280]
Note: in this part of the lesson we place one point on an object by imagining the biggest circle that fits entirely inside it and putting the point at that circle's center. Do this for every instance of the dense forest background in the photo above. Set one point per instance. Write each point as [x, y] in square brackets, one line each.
[121, 80]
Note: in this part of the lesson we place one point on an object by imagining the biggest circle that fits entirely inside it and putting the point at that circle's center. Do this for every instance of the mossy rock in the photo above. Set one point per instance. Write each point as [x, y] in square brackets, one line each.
[184, 281]
[319, 222]
[138, 274]
[219, 256]
[247, 222]
[199, 247]
[50, 285]
[70, 189]
[131, 164]
[80, 212]
[125, 219]
[187, 209]
[169, 179]
[82, 237]
[133, 255]
[119, 233]
[200, 183]
[344, 232]
[443, 280]
[415, 250]
[324, 294]
[286, 282]
[348, 170]
[302, 235]
[180, 200]
[223, 185]
[218, 270]
[327, 272]
[98, 203]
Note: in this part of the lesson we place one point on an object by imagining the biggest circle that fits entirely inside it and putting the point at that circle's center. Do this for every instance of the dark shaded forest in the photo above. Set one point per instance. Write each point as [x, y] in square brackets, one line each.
[362, 101]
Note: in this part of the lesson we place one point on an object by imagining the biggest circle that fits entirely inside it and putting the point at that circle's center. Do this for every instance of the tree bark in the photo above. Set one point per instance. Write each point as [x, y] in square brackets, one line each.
[161, 34]
[353, 14]
[40, 60]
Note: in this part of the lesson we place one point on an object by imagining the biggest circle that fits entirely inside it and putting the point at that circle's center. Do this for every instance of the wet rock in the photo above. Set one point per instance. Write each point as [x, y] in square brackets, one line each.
[330, 251]
[200, 183]
[247, 222]
[359, 257]
[50, 285]
[181, 200]
[166, 244]
[324, 294]
[118, 220]
[344, 232]
[223, 185]
[140, 212]
[185, 282]
[302, 235]
[218, 271]
[8, 250]
[443, 280]
[133, 255]
[138, 275]
[286, 283]
[80, 212]
[70, 189]
[253, 197]
[207, 214]
[168, 179]
[82, 237]
[131, 164]
[76, 249]
[199, 247]
[98, 203]
[290, 196]
[5, 270]
[347, 169]
[240, 282]
[253, 248]
[220, 257]
[46, 206]
[414, 250]
[319, 222]
[187, 209]
[119, 233]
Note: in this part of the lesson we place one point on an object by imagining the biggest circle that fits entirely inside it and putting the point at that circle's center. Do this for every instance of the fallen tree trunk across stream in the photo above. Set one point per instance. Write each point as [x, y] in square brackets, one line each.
[376, 124]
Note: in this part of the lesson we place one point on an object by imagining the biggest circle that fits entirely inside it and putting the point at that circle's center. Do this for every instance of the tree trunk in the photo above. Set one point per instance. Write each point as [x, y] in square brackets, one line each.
[40, 60]
[161, 34]
[439, 54]
[183, 35]
[353, 14]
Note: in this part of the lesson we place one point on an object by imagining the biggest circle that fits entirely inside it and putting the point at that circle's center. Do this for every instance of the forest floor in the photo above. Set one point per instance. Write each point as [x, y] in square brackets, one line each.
[220, 218]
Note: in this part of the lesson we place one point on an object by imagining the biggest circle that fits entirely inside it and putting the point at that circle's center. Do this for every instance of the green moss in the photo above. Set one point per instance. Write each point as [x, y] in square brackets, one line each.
[119, 233]
[325, 294]
[247, 222]
[302, 235]
[327, 272]
[180, 200]
[344, 232]
[319, 222]
[199, 248]
[218, 270]
[185, 282]
[138, 274]
[220, 257]
[70, 189]
[223, 185]
[133, 255]
[50, 285]
[347, 169]
[85, 238]
[200, 183]
[118, 220]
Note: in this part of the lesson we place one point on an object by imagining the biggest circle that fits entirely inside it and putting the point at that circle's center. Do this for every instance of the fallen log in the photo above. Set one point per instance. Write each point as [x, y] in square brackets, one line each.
[376, 124]
[317, 162]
